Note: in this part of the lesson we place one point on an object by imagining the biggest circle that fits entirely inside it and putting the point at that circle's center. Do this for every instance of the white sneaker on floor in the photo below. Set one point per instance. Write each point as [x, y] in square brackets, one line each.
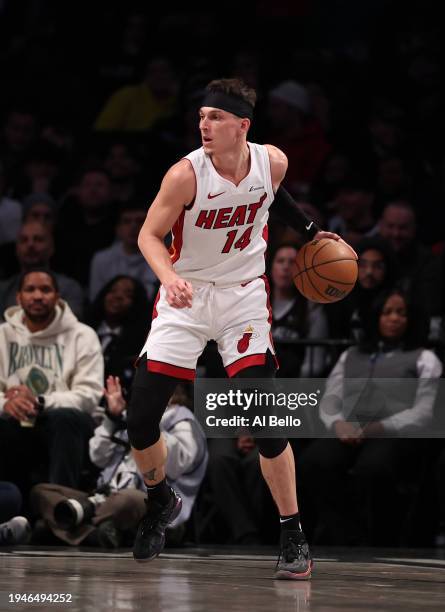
[15, 531]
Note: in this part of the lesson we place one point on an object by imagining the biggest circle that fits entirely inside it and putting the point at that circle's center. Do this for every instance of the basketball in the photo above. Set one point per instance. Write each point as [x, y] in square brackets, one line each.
[326, 270]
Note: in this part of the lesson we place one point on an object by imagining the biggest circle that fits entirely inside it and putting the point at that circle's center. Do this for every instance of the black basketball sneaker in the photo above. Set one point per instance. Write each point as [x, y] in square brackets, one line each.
[294, 561]
[150, 537]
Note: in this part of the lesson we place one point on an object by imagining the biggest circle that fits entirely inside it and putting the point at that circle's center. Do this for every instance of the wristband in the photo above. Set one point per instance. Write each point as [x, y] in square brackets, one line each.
[289, 211]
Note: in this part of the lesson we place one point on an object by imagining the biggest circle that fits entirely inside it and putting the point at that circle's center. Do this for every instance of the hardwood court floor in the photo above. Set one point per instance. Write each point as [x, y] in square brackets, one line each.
[205, 579]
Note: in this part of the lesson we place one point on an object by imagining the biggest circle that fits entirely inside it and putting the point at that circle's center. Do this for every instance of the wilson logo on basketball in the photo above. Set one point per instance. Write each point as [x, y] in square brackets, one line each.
[243, 344]
[334, 292]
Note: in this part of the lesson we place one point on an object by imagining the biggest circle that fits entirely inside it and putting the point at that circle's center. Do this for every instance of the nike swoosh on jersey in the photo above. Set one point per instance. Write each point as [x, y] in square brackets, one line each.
[210, 196]
[308, 227]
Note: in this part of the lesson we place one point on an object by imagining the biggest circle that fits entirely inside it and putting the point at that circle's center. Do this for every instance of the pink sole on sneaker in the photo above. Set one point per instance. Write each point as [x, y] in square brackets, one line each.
[283, 575]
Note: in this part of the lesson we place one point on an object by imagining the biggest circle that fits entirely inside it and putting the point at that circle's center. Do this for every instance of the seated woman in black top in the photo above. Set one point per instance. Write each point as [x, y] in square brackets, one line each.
[119, 316]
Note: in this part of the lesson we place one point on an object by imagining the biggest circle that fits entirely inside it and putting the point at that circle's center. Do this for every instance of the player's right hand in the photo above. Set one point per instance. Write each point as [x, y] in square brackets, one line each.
[179, 293]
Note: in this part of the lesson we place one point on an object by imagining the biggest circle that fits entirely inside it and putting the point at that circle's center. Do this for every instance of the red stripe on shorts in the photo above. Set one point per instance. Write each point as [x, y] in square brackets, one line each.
[245, 362]
[175, 249]
[160, 367]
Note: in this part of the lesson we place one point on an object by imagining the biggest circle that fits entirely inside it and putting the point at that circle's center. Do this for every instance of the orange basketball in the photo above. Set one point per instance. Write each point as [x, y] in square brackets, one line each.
[326, 270]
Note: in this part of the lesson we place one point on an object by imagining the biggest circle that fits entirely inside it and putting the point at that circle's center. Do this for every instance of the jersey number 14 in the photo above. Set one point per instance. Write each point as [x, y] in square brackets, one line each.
[241, 243]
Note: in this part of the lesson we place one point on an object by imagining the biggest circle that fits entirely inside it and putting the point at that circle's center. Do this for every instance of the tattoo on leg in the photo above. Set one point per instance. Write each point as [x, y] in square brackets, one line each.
[150, 475]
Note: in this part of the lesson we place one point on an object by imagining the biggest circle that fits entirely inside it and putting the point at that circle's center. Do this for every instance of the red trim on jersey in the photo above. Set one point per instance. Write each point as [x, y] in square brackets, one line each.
[192, 203]
[155, 310]
[266, 234]
[245, 362]
[175, 249]
[169, 369]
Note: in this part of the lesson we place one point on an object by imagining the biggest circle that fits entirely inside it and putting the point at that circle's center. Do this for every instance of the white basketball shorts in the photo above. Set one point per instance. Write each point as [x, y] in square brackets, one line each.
[238, 318]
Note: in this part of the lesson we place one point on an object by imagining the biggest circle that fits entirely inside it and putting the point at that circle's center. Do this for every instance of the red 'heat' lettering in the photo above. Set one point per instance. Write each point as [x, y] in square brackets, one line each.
[205, 219]
[254, 208]
[218, 218]
[239, 216]
[222, 218]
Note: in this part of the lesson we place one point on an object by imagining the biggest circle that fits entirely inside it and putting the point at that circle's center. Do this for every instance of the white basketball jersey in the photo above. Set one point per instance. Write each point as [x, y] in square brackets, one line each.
[222, 236]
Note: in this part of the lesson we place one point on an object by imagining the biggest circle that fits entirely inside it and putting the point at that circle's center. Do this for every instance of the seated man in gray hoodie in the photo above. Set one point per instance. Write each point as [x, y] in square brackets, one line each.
[118, 502]
[51, 379]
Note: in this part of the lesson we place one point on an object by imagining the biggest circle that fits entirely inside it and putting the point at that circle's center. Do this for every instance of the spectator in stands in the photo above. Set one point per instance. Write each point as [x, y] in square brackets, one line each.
[418, 269]
[120, 316]
[51, 379]
[124, 256]
[35, 248]
[18, 135]
[173, 137]
[40, 207]
[10, 213]
[336, 168]
[14, 529]
[238, 491]
[41, 171]
[121, 56]
[294, 319]
[124, 168]
[138, 107]
[297, 133]
[85, 224]
[393, 181]
[368, 419]
[353, 205]
[386, 136]
[118, 503]
[376, 274]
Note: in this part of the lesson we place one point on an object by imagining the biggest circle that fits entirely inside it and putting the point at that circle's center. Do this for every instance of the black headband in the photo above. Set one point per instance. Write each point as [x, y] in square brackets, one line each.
[226, 102]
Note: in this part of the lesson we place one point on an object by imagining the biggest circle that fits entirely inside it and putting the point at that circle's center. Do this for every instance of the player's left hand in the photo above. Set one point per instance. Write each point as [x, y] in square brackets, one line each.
[320, 235]
[333, 236]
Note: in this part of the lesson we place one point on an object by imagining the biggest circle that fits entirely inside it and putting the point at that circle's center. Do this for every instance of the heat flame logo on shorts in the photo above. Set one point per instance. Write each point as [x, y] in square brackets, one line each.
[243, 344]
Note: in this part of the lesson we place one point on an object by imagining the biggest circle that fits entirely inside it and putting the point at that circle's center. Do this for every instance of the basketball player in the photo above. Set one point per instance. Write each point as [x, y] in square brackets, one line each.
[215, 201]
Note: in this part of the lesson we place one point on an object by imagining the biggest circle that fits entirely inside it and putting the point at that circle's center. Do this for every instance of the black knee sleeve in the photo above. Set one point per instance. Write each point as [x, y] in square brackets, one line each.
[268, 447]
[267, 370]
[149, 397]
[271, 447]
